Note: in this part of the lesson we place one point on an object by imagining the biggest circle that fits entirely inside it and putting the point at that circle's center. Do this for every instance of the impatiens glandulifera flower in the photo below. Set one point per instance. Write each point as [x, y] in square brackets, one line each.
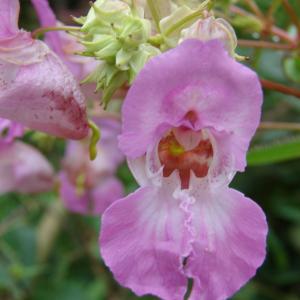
[211, 28]
[37, 90]
[187, 122]
[89, 187]
[24, 170]
[9, 130]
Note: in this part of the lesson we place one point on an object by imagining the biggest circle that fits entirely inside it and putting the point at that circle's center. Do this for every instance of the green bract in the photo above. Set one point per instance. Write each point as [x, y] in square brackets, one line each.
[116, 35]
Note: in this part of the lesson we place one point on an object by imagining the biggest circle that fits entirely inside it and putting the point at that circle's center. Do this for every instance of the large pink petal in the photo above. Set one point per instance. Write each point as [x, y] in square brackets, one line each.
[229, 244]
[93, 201]
[43, 96]
[143, 240]
[198, 77]
[9, 14]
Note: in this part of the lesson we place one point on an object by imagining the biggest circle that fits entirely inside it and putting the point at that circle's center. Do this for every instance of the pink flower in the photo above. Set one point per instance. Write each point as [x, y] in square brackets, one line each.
[9, 130]
[89, 187]
[63, 44]
[37, 90]
[187, 123]
[24, 170]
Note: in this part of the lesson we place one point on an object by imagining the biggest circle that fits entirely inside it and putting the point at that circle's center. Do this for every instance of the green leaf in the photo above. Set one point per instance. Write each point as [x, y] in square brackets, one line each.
[278, 152]
[292, 68]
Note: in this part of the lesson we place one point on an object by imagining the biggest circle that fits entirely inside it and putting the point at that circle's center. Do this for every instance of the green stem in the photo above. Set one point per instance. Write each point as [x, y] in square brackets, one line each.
[155, 40]
[198, 13]
[94, 139]
[36, 33]
[154, 13]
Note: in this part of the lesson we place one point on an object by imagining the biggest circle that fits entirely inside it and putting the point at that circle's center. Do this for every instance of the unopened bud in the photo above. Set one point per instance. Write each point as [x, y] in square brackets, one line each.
[211, 28]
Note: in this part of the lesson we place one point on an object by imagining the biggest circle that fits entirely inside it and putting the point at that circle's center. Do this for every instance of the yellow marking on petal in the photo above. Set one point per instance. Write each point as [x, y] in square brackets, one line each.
[94, 139]
[176, 149]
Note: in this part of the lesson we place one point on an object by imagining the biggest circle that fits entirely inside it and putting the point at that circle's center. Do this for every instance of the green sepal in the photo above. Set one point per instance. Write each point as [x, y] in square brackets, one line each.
[109, 51]
[123, 58]
[140, 58]
[99, 41]
[117, 81]
[135, 32]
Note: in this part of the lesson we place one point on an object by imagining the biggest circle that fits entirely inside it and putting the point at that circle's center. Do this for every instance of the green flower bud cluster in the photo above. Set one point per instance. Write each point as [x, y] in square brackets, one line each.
[125, 34]
[115, 34]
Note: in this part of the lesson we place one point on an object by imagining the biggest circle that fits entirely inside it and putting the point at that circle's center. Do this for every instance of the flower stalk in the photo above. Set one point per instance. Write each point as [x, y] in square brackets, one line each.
[271, 85]
[206, 5]
[42, 30]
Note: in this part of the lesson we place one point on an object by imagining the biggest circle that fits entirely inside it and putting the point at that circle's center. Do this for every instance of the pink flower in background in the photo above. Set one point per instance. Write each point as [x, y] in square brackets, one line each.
[89, 187]
[65, 46]
[10, 130]
[24, 170]
[37, 90]
[187, 123]
[62, 43]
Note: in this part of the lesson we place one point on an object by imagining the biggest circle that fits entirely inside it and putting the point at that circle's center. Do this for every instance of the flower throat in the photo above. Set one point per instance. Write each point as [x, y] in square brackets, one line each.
[175, 156]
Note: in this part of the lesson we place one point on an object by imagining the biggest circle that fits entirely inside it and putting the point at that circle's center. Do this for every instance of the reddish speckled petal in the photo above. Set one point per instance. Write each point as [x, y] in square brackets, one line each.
[43, 96]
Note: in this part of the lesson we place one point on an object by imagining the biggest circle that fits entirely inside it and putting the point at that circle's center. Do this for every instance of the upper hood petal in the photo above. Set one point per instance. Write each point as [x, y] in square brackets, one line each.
[198, 77]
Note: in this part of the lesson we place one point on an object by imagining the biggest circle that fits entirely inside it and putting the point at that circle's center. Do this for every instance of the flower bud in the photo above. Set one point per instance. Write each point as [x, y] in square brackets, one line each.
[211, 28]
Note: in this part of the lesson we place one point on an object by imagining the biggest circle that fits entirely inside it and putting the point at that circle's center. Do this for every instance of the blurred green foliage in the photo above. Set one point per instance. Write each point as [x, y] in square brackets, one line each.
[73, 270]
